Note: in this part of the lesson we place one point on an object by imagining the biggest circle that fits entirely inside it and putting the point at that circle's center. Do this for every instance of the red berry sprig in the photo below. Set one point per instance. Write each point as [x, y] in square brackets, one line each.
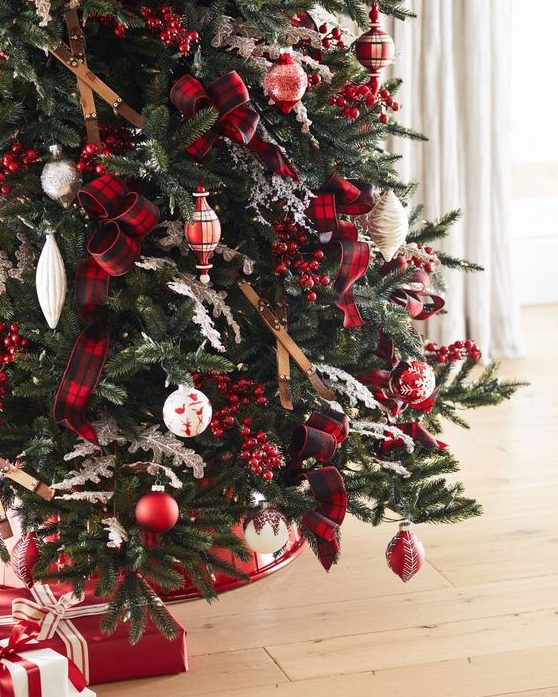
[13, 159]
[169, 26]
[458, 351]
[420, 256]
[289, 257]
[112, 140]
[353, 97]
[11, 342]
[261, 454]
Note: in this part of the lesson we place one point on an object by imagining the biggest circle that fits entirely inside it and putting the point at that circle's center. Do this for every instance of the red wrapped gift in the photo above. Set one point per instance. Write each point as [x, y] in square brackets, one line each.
[72, 626]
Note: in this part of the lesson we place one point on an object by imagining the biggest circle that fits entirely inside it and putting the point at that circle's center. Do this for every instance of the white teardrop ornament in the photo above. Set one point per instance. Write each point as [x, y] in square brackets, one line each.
[388, 224]
[50, 281]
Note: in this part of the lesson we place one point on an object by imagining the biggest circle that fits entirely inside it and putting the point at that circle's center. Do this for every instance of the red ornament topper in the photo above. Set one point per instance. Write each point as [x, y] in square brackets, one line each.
[204, 233]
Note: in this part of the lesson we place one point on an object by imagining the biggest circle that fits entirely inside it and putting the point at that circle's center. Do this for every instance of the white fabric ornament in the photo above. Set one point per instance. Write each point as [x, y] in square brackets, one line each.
[388, 224]
[50, 280]
[60, 179]
[267, 532]
[187, 412]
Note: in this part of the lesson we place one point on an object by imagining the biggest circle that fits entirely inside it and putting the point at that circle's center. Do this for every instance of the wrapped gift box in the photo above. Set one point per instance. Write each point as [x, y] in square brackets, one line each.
[38, 672]
[73, 628]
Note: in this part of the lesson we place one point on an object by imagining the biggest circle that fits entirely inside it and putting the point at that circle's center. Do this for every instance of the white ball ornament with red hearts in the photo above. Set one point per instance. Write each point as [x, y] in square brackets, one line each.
[268, 531]
[187, 412]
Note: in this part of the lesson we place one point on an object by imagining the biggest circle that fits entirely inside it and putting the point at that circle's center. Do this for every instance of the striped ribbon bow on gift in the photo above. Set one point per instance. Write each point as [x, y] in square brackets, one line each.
[53, 617]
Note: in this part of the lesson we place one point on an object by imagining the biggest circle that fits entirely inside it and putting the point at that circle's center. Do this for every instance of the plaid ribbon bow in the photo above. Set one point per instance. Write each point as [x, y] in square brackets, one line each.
[238, 120]
[337, 196]
[417, 298]
[125, 218]
[319, 438]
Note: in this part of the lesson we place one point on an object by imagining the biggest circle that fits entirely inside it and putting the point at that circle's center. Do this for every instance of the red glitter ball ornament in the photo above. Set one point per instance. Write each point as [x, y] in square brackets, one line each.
[405, 553]
[413, 382]
[157, 511]
[203, 233]
[286, 82]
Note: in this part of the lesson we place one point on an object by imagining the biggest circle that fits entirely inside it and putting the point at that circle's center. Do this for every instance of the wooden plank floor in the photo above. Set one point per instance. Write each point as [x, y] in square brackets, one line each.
[480, 620]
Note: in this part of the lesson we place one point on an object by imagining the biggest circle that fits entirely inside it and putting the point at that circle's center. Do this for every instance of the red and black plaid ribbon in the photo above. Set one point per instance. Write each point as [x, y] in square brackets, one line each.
[238, 120]
[417, 432]
[125, 218]
[416, 297]
[341, 196]
[318, 438]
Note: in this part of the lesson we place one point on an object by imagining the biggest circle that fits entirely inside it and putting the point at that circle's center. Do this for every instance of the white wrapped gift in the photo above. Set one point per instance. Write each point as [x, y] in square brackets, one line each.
[27, 670]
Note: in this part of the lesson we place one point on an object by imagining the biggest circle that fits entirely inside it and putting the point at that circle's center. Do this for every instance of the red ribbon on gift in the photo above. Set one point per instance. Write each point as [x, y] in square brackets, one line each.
[23, 637]
[341, 196]
[417, 298]
[318, 438]
[125, 218]
[238, 120]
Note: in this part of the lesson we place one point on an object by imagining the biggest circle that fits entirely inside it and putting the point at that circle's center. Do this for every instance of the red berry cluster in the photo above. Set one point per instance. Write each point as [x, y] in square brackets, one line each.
[288, 256]
[3, 56]
[256, 450]
[352, 96]
[171, 31]
[112, 140]
[420, 256]
[458, 351]
[14, 159]
[12, 343]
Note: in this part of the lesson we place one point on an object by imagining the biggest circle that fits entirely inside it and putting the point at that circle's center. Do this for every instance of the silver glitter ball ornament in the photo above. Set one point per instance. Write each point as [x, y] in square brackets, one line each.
[60, 178]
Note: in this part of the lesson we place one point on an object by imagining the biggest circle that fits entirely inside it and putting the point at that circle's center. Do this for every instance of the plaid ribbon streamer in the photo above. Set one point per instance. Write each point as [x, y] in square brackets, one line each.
[319, 438]
[341, 196]
[417, 432]
[238, 120]
[417, 298]
[125, 218]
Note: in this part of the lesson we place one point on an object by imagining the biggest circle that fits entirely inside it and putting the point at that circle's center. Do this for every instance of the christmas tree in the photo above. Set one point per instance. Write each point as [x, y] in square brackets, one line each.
[219, 327]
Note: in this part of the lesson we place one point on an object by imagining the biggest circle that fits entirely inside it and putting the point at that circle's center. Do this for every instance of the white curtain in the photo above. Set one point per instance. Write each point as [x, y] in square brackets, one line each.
[455, 62]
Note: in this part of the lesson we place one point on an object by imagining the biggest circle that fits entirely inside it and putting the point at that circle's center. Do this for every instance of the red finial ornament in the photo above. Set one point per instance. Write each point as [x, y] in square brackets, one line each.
[375, 49]
[203, 233]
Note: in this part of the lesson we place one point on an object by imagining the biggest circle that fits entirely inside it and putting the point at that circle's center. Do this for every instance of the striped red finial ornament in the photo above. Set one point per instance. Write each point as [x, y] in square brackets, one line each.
[375, 49]
[405, 553]
[203, 233]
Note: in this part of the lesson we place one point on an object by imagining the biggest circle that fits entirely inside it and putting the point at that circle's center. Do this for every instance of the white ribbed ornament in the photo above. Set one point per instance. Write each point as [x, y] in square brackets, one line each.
[50, 281]
[388, 224]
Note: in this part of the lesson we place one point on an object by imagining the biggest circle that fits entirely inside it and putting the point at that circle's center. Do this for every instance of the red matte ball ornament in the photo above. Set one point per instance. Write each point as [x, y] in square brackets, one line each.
[157, 511]
[203, 233]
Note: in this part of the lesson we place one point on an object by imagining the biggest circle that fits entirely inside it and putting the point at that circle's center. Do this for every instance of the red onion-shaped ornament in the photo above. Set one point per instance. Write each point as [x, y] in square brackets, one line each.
[157, 511]
[405, 553]
[24, 556]
[286, 82]
[375, 49]
[203, 233]
[413, 382]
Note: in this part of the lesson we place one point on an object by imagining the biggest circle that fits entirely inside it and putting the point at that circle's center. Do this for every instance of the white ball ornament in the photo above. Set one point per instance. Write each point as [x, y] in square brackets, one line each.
[187, 412]
[267, 532]
[60, 178]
